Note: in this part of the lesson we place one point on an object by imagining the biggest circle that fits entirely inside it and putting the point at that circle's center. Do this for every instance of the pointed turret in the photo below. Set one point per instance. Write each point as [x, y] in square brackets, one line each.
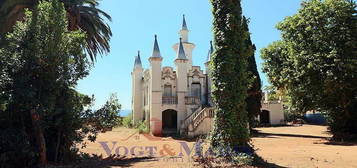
[181, 51]
[184, 31]
[156, 51]
[210, 52]
[155, 94]
[182, 67]
[184, 25]
[137, 63]
[137, 103]
[184, 46]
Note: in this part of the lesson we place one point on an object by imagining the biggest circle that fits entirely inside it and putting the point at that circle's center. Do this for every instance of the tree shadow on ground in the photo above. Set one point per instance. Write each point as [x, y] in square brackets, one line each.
[340, 143]
[269, 135]
[329, 141]
[113, 160]
[261, 163]
[185, 139]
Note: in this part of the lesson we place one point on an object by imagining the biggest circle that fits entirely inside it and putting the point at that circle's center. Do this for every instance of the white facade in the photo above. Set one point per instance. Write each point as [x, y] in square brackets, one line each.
[177, 99]
[166, 96]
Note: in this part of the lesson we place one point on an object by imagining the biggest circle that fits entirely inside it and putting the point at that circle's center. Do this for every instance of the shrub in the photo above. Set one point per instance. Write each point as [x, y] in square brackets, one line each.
[142, 126]
[107, 117]
[291, 116]
[127, 121]
[14, 147]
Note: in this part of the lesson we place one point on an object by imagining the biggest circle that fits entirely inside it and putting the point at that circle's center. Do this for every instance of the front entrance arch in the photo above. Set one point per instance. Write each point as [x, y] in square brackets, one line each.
[169, 122]
[265, 117]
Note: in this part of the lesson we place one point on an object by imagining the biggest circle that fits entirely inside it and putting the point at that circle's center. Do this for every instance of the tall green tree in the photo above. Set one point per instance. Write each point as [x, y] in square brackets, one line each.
[229, 76]
[48, 62]
[44, 118]
[254, 98]
[315, 62]
[82, 15]
[44, 61]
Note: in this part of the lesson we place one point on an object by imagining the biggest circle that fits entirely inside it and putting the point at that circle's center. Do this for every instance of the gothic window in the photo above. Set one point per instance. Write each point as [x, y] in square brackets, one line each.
[196, 90]
[167, 90]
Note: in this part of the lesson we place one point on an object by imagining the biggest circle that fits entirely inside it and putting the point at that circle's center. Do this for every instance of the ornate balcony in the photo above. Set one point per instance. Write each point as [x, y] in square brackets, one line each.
[169, 100]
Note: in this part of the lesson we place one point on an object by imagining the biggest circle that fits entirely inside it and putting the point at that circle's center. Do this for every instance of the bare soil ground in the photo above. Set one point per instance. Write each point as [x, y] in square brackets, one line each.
[304, 147]
[295, 146]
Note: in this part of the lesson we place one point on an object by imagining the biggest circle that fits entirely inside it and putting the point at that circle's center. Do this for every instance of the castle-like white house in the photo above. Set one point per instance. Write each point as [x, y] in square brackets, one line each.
[175, 99]
[166, 96]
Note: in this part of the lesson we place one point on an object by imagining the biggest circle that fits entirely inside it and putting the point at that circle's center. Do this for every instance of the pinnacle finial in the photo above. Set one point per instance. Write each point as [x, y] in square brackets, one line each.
[137, 63]
[156, 51]
[181, 52]
[184, 25]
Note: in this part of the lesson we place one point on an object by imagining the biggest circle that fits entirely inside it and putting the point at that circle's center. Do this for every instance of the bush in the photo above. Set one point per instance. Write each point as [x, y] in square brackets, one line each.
[106, 117]
[14, 147]
[291, 116]
[142, 126]
[221, 156]
[242, 159]
[127, 121]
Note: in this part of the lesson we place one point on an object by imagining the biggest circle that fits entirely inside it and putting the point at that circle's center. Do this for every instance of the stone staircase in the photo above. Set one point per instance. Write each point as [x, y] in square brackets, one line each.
[192, 122]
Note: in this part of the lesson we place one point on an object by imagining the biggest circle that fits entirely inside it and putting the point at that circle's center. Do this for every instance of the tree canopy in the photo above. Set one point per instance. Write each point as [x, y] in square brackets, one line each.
[315, 62]
[82, 15]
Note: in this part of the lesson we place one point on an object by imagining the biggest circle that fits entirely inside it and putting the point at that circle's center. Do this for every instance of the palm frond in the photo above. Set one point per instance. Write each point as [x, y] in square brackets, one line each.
[83, 15]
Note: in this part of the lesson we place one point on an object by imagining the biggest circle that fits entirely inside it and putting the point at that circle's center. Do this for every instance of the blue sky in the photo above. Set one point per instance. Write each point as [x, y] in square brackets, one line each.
[135, 22]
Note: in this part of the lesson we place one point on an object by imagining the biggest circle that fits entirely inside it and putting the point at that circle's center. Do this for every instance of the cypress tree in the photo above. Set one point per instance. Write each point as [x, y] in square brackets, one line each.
[229, 76]
[254, 91]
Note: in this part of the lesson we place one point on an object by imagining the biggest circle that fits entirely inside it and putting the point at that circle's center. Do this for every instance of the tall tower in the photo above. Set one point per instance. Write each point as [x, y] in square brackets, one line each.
[188, 47]
[181, 63]
[208, 72]
[137, 104]
[155, 90]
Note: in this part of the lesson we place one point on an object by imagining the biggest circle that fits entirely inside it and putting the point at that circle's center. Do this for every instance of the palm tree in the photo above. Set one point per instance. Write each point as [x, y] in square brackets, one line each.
[82, 15]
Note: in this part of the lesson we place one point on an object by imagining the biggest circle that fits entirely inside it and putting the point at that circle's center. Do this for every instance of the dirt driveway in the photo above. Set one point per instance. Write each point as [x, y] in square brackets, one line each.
[297, 147]
[304, 147]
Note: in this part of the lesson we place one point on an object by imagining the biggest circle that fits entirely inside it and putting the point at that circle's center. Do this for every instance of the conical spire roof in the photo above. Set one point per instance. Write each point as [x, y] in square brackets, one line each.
[156, 52]
[137, 63]
[210, 52]
[181, 52]
[184, 25]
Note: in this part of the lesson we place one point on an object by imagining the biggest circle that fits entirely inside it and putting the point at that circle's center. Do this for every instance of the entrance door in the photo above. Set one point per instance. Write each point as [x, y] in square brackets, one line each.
[265, 117]
[169, 122]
